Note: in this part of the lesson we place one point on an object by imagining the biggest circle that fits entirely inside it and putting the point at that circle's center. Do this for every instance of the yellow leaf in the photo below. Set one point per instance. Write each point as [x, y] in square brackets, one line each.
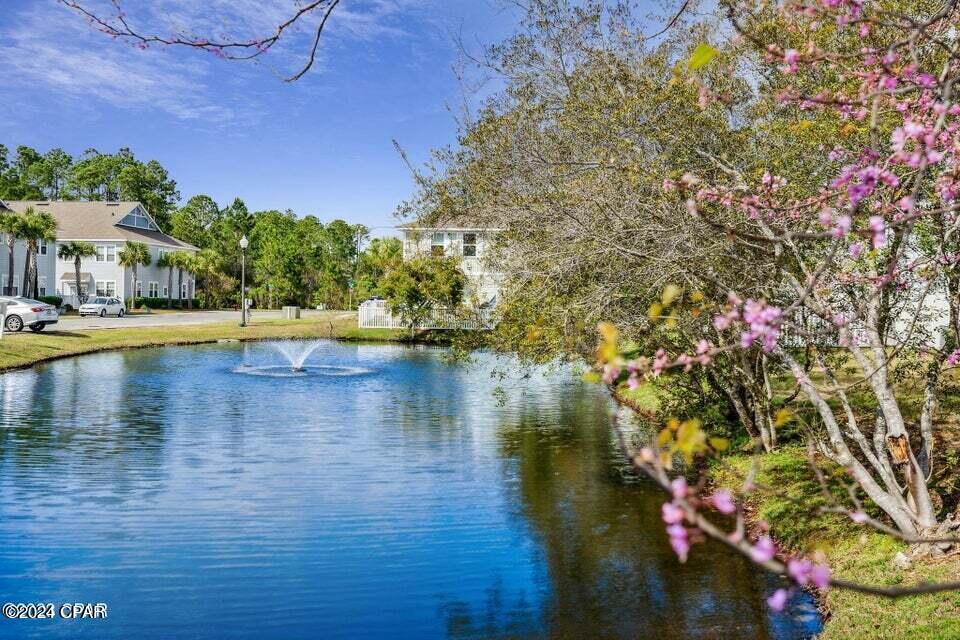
[782, 417]
[664, 437]
[719, 444]
[655, 311]
[670, 293]
[702, 55]
[607, 331]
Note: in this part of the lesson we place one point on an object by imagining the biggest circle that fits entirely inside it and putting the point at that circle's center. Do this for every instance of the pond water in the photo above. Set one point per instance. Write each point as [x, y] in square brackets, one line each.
[399, 497]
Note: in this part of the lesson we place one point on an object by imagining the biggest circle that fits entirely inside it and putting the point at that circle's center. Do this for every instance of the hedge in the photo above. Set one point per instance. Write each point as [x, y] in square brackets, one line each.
[161, 303]
[54, 300]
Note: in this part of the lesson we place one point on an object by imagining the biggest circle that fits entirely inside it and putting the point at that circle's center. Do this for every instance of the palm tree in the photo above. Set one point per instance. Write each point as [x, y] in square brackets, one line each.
[133, 255]
[34, 228]
[183, 261]
[165, 261]
[10, 225]
[77, 249]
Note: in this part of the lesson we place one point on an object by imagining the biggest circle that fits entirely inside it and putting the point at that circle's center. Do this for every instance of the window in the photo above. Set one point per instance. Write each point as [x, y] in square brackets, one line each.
[185, 290]
[71, 288]
[436, 244]
[106, 287]
[43, 247]
[42, 285]
[154, 290]
[166, 291]
[137, 218]
[139, 293]
[106, 253]
[470, 245]
[16, 286]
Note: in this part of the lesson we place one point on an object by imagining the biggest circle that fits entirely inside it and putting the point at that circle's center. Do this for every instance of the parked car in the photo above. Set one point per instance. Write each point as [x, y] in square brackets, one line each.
[28, 312]
[103, 306]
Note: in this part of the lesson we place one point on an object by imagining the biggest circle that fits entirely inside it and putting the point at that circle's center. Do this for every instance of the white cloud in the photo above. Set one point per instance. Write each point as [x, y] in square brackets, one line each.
[47, 45]
[44, 47]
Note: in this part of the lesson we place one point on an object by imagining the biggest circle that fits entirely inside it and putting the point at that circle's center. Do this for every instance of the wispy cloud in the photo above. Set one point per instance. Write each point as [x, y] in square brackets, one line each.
[47, 46]
[44, 48]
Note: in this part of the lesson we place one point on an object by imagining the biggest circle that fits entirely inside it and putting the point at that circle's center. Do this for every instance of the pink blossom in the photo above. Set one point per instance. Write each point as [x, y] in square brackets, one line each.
[660, 362]
[764, 550]
[679, 488]
[856, 249]
[820, 576]
[672, 514]
[723, 501]
[778, 600]
[878, 230]
[679, 541]
[954, 358]
[800, 570]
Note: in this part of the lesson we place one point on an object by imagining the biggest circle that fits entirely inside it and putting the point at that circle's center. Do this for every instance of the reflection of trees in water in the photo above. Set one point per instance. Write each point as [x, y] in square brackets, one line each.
[89, 419]
[611, 570]
[495, 620]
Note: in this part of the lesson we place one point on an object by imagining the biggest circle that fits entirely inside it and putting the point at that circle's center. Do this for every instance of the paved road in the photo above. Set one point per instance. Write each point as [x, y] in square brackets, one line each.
[173, 319]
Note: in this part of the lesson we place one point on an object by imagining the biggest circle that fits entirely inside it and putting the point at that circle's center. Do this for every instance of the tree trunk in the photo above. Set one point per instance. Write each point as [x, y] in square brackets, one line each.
[169, 287]
[11, 245]
[76, 275]
[133, 293]
[180, 288]
[25, 289]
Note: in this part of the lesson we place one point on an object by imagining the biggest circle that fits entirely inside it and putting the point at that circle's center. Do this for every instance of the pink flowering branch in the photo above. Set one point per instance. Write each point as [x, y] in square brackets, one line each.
[686, 520]
[118, 25]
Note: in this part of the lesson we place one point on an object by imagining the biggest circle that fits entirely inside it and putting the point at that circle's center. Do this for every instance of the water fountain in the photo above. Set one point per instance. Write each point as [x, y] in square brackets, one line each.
[296, 353]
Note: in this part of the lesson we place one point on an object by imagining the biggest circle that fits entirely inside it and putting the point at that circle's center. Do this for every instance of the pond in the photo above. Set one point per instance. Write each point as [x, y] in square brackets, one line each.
[393, 495]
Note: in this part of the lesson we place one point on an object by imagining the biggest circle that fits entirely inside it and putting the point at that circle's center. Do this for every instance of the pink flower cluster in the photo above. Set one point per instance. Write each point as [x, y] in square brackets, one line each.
[803, 572]
[673, 516]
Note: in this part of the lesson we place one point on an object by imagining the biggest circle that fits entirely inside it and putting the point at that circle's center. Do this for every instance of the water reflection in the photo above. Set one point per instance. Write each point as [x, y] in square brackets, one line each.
[405, 503]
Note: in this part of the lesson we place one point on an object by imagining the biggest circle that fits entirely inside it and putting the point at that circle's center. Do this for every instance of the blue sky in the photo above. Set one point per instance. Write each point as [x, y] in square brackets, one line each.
[319, 146]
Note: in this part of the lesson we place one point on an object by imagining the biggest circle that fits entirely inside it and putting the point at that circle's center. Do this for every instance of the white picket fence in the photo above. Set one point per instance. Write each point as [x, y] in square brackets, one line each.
[374, 314]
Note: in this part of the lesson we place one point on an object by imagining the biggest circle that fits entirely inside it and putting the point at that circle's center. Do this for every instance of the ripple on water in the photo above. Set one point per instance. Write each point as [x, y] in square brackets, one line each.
[384, 493]
[286, 371]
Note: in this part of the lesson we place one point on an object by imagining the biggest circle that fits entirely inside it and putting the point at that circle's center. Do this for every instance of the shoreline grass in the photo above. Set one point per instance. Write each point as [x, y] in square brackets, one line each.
[855, 553]
[21, 350]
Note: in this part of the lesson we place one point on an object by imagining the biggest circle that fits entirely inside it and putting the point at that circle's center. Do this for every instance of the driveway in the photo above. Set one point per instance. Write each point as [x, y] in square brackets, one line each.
[173, 319]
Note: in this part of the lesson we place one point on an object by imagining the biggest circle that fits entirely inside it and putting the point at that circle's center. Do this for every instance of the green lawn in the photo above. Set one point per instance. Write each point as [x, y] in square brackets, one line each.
[26, 348]
[853, 554]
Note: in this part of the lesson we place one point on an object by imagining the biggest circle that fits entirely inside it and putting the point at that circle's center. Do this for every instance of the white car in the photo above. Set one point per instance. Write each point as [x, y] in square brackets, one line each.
[28, 312]
[103, 306]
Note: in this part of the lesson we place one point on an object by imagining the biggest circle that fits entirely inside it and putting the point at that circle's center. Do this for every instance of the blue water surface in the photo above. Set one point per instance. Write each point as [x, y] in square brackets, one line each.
[401, 497]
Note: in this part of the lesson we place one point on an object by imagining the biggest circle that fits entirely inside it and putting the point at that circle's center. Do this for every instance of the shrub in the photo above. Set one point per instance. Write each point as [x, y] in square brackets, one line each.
[54, 300]
[161, 303]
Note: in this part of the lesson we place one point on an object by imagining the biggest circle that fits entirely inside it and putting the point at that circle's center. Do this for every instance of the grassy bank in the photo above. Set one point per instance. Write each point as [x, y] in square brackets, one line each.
[24, 349]
[854, 553]
[787, 498]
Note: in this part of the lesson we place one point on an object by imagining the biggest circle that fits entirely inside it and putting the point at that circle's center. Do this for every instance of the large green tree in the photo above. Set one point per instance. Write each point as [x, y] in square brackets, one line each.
[415, 287]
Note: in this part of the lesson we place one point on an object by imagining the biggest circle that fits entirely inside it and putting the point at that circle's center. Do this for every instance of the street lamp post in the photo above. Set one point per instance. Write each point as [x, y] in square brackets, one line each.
[243, 280]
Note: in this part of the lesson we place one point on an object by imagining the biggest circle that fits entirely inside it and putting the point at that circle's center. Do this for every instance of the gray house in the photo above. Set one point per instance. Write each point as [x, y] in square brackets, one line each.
[108, 226]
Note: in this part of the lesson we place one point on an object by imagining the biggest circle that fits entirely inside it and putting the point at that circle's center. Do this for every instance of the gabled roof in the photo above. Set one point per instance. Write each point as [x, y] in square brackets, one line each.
[97, 221]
